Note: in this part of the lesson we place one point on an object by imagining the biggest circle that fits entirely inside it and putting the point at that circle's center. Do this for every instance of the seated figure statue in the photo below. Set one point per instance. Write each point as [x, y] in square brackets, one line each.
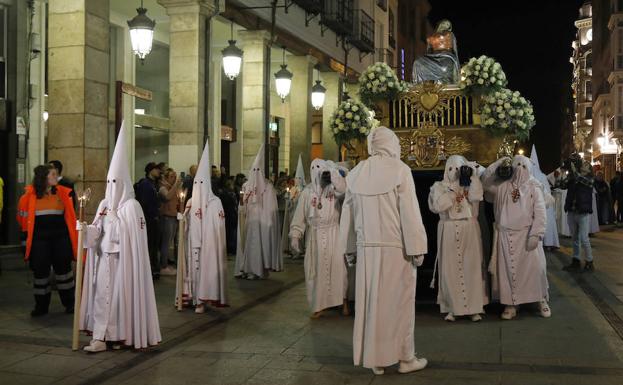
[441, 62]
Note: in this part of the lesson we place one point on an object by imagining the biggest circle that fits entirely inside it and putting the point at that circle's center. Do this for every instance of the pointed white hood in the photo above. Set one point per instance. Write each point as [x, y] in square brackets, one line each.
[202, 186]
[535, 158]
[119, 187]
[256, 184]
[299, 177]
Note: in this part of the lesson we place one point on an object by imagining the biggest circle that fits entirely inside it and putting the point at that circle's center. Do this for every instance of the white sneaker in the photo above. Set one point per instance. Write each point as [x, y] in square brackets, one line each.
[546, 312]
[476, 318]
[509, 313]
[95, 346]
[450, 317]
[412, 366]
[169, 270]
[200, 309]
[378, 371]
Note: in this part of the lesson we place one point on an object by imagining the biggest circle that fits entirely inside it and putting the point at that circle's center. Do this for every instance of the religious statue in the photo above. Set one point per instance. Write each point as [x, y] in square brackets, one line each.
[441, 62]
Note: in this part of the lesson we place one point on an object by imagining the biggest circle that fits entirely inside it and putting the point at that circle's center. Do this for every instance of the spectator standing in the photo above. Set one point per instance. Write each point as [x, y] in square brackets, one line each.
[62, 181]
[187, 184]
[147, 196]
[169, 195]
[617, 195]
[229, 199]
[46, 214]
[604, 199]
[579, 207]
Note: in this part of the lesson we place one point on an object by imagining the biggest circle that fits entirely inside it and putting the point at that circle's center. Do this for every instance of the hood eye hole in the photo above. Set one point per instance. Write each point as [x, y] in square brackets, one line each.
[108, 181]
[114, 181]
[201, 181]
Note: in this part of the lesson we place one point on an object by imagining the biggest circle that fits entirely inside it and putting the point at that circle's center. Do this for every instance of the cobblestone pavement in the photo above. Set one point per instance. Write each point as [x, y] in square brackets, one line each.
[267, 337]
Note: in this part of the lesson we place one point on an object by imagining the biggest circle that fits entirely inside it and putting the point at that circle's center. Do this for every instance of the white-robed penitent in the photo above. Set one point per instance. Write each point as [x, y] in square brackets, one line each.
[518, 261]
[118, 301]
[550, 238]
[317, 217]
[381, 222]
[258, 225]
[205, 275]
[292, 198]
[459, 243]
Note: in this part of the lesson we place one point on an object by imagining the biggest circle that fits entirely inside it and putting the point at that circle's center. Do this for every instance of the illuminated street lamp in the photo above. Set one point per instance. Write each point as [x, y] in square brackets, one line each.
[283, 79]
[317, 95]
[232, 57]
[141, 33]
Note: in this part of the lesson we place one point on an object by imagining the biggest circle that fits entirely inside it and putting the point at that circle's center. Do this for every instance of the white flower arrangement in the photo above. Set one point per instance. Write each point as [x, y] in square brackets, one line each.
[505, 112]
[351, 120]
[482, 74]
[379, 82]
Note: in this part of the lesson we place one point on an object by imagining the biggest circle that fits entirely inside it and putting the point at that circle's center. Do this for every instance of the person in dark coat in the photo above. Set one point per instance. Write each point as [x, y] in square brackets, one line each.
[62, 181]
[579, 207]
[604, 200]
[229, 198]
[147, 195]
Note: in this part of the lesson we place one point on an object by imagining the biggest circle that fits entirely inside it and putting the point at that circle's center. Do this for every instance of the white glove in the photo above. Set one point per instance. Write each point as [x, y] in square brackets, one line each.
[416, 260]
[295, 245]
[180, 216]
[79, 226]
[533, 242]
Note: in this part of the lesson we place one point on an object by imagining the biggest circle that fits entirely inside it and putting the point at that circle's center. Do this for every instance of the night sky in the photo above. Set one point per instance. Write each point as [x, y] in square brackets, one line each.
[532, 41]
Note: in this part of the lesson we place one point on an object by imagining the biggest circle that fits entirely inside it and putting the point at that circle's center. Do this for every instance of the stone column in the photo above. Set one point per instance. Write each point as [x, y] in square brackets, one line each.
[251, 133]
[187, 76]
[78, 76]
[331, 81]
[302, 68]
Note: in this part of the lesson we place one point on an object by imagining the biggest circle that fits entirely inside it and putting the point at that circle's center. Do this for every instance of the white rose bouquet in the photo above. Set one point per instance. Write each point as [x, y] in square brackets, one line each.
[482, 75]
[351, 120]
[379, 82]
[505, 112]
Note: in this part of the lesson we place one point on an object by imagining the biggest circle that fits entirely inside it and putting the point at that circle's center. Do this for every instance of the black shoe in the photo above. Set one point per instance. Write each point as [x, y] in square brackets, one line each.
[573, 266]
[69, 310]
[38, 313]
[588, 267]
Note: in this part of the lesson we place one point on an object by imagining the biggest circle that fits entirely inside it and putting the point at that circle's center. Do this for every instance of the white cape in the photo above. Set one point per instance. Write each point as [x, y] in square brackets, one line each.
[133, 317]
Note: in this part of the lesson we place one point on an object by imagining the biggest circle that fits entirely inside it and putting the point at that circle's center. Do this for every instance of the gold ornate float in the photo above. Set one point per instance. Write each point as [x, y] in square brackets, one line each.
[434, 121]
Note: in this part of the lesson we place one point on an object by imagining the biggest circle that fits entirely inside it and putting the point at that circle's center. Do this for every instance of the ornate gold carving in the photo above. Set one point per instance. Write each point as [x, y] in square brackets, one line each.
[456, 146]
[429, 97]
[422, 147]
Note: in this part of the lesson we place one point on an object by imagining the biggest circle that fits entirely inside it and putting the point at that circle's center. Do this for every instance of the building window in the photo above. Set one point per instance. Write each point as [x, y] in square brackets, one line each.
[588, 89]
[620, 6]
[588, 114]
[619, 50]
[589, 61]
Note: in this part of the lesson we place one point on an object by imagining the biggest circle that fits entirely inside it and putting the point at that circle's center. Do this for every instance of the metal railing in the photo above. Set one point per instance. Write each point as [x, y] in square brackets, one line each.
[338, 15]
[311, 6]
[460, 111]
[363, 32]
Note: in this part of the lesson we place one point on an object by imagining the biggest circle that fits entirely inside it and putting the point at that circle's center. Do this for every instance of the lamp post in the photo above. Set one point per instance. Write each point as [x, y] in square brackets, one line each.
[232, 57]
[141, 33]
[283, 79]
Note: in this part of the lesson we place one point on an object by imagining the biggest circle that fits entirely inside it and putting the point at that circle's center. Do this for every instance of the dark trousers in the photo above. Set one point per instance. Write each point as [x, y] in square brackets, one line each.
[153, 243]
[619, 211]
[54, 251]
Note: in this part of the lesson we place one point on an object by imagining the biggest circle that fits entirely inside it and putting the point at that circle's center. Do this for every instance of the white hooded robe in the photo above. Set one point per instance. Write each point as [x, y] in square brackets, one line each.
[462, 288]
[550, 238]
[205, 278]
[381, 222]
[292, 199]
[317, 216]
[118, 300]
[519, 275]
[258, 225]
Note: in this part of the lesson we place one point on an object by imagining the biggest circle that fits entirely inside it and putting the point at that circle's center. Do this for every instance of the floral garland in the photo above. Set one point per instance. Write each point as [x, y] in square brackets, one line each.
[482, 75]
[379, 82]
[351, 120]
[505, 112]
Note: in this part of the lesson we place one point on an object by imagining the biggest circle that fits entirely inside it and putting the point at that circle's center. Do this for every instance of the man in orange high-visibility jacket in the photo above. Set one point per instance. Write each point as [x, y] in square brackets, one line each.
[46, 214]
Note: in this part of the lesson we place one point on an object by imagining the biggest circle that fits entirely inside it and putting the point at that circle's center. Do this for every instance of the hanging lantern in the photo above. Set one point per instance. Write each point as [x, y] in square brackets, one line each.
[232, 57]
[317, 95]
[283, 79]
[141, 33]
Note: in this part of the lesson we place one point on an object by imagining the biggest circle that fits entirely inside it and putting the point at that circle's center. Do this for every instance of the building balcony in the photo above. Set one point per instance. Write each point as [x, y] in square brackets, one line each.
[310, 6]
[338, 15]
[362, 36]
